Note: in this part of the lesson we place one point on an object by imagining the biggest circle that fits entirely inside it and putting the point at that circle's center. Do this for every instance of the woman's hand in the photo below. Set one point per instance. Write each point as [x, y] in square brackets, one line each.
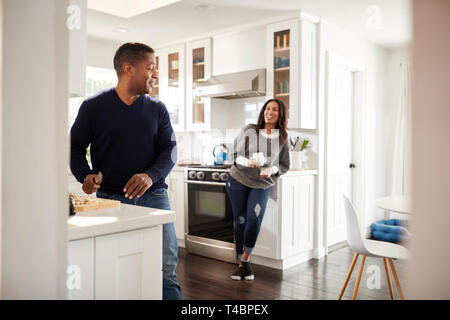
[252, 163]
[266, 172]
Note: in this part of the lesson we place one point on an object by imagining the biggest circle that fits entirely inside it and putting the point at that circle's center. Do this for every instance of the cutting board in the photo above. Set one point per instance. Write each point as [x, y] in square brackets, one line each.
[83, 203]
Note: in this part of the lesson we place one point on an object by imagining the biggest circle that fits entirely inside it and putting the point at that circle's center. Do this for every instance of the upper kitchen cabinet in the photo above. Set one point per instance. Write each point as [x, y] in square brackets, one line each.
[171, 84]
[155, 90]
[249, 52]
[291, 69]
[198, 70]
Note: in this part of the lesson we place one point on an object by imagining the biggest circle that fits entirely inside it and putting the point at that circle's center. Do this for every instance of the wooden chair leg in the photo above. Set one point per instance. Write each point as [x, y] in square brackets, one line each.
[388, 279]
[349, 273]
[358, 280]
[397, 282]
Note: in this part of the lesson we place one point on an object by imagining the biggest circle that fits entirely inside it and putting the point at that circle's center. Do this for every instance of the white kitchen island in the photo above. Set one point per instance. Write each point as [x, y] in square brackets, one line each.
[116, 253]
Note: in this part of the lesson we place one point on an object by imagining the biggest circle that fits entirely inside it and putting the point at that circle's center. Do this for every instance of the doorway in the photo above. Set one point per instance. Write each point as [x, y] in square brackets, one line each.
[343, 145]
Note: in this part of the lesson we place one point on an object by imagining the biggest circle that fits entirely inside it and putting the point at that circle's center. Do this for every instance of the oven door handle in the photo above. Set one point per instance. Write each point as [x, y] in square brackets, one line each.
[206, 182]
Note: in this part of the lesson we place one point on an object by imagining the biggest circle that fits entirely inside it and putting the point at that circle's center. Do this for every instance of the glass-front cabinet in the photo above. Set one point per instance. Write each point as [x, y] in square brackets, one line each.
[281, 66]
[291, 70]
[198, 70]
[282, 73]
[155, 90]
[171, 83]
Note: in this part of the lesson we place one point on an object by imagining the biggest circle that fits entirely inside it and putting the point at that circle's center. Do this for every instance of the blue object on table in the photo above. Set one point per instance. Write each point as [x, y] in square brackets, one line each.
[392, 230]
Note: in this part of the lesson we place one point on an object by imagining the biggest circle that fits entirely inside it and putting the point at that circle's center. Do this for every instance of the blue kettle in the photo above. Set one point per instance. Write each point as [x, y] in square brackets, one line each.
[220, 154]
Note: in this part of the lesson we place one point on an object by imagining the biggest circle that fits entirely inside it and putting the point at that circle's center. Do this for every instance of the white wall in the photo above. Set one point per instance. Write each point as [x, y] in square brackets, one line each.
[372, 58]
[428, 274]
[101, 53]
[35, 144]
[1, 136]
[392, 89]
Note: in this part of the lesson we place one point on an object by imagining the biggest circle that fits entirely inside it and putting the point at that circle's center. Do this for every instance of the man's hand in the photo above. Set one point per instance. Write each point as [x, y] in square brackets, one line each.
[137, 185]
[89, 184]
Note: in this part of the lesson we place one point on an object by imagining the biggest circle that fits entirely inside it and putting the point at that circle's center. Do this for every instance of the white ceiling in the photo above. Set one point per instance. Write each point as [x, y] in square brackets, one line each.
[184, 19]
[129, 8]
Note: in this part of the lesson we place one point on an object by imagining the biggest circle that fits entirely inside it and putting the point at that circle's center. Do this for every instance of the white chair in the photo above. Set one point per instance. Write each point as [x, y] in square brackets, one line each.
[370, 248]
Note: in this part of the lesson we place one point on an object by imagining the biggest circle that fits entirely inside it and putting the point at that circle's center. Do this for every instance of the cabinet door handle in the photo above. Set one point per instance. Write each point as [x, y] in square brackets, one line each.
[352, 165]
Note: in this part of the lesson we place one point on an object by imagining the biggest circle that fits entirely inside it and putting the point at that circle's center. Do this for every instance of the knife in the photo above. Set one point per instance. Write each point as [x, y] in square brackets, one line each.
[99, 178]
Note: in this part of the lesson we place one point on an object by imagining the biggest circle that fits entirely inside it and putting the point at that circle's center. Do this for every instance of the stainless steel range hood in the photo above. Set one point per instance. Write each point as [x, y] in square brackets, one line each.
[234, 85]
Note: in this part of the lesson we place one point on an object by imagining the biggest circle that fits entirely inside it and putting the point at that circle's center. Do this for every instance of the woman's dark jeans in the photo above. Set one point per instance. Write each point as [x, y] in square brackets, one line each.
[248, 206]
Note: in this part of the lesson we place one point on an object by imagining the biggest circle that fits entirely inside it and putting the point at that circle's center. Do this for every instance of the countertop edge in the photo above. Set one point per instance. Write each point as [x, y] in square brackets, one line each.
[83, 232]
[301, 172]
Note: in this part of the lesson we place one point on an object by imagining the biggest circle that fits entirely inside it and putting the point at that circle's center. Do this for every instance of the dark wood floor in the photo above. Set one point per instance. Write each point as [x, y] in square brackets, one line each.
[209, 279]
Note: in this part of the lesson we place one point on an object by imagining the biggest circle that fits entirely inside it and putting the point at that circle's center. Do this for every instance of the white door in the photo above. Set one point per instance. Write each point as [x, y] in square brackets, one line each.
[339, 146]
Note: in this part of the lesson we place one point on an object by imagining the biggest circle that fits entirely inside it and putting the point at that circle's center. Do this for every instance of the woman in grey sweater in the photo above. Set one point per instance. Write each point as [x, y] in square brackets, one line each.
[260, 154]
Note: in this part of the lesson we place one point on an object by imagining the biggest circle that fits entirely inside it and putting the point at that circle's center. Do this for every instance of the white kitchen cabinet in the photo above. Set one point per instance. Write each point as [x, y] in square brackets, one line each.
[177, 200]
[287, 227]
[128, 265]
[297, 207]
[155, 90]
[80, 270]
[249, 51]
[308, 74]
[268, 238]
[171, 83]
[198, 70]
[291, 69]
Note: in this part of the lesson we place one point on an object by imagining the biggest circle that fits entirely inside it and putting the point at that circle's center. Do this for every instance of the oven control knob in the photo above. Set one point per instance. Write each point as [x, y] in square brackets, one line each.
[192, 175]
[200, 175]
[224, 176]
[215, 176]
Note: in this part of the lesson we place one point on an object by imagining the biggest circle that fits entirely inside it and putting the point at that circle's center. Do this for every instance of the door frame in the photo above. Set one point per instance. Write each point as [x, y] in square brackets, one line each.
[359, 138]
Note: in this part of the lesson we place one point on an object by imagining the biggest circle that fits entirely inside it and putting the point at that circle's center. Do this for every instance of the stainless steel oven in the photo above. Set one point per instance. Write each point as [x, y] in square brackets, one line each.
[209, 217]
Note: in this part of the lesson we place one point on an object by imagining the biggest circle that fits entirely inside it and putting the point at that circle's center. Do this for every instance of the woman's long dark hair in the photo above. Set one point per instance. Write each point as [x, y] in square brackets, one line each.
[282, 119]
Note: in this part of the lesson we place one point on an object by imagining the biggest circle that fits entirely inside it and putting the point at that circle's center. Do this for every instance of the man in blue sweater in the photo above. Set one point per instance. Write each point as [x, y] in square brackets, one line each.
[132, 144]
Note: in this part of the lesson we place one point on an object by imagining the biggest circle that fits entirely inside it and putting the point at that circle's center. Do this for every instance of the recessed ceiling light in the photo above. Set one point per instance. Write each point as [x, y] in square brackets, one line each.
[205, 6]
[121, 30]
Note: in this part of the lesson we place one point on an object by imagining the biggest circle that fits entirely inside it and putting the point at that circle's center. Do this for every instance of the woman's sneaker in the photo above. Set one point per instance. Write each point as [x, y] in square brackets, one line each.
[238, 274]
[248, 271]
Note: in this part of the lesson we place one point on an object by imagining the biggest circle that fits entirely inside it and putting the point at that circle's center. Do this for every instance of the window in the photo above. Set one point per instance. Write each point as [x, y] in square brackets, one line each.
[97, 79]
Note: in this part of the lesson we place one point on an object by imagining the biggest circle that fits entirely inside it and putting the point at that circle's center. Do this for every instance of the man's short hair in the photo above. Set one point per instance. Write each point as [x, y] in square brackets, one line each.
[131, 52]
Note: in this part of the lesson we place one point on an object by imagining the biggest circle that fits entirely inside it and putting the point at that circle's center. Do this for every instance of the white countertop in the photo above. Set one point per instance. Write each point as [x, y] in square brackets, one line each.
[301, 172]
[178, 168]
[401, 204]
[94, 223]
[290, 172]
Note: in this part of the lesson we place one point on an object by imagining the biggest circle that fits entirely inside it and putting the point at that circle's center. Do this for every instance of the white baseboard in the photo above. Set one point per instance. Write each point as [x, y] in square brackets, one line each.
[319, 252]
[181, 243]
[285, 263]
